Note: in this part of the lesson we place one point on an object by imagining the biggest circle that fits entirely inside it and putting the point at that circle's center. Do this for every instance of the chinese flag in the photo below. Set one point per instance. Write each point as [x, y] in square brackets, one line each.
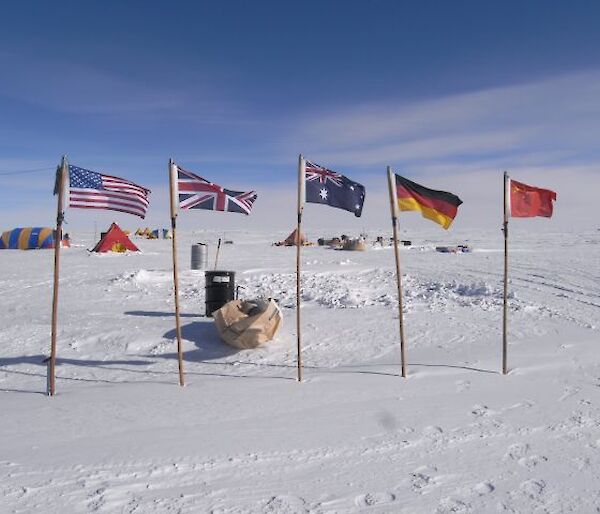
[528, 201]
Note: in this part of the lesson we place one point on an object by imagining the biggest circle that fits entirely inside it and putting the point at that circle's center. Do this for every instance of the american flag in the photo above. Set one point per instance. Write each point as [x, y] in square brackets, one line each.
[91, 190]
[196, 192]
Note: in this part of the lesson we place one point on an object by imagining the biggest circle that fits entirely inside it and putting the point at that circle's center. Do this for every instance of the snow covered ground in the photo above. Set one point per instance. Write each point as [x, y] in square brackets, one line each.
[244, 436]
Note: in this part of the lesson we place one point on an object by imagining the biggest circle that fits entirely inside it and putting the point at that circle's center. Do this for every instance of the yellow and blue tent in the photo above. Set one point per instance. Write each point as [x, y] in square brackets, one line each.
[28, 238]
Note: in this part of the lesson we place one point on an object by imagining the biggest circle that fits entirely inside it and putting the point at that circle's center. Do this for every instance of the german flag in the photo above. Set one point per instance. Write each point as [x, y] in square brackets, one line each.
[438, 206]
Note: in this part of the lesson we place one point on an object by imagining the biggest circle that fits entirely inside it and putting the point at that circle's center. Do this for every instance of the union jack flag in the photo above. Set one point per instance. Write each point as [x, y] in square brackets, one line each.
[196, 192]
[314, 172]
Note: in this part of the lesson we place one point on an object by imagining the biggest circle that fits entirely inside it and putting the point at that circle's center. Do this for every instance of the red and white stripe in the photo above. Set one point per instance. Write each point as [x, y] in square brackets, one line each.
[117, 195]
[203, 191]
[245, 200]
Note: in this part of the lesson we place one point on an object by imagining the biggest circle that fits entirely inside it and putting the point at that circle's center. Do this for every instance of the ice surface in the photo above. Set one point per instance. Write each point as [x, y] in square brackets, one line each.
[244, 436]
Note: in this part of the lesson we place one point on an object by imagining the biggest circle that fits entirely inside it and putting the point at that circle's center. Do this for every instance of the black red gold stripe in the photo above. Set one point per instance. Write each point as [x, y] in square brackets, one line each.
[438, 206]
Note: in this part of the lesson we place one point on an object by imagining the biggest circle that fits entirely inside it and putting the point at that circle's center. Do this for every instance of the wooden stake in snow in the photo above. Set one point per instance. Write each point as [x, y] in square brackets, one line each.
[505, 304]
[301, 197]
[394, 213]
[217, 254]
[59, 187]
[174, 204]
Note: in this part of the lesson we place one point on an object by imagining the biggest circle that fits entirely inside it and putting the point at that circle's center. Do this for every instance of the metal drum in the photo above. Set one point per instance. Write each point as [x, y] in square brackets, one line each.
[199, 256]
[219, 289]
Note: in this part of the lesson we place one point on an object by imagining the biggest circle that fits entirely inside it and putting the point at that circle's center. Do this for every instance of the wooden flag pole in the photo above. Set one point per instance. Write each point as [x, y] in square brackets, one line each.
[394, 212]
[173, 196]
[217, 254]
[59, 187]
[505, 304]
[301, 195]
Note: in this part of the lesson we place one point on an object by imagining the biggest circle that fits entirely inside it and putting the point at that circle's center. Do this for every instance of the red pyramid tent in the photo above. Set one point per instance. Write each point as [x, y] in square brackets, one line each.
[115, 240]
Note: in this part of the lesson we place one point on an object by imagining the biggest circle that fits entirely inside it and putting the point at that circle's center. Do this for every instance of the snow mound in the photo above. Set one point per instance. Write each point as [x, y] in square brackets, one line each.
[144, 277]
[372, 288]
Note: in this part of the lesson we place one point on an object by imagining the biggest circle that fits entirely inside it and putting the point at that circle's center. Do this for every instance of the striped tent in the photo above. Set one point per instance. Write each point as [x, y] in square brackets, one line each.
[28, 238]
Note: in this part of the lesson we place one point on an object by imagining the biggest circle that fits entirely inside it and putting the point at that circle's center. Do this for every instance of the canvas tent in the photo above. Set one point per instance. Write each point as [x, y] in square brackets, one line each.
[29, 238]
[145, 232]
[292, 240]
[115, 240]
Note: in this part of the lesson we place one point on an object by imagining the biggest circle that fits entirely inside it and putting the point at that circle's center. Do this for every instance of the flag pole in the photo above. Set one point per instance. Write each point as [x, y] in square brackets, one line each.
[173, 197]
[301, 195]
[505, 302]
[394, 213]
[59, 186]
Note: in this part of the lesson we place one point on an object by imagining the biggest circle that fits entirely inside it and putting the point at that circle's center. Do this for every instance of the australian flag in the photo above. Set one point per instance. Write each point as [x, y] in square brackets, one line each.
[331, 188]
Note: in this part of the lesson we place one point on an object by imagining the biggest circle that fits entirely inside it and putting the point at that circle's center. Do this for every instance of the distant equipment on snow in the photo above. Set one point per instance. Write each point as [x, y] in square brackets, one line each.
[344, 243]
[454, 249]
[333, 242]
[354, 245]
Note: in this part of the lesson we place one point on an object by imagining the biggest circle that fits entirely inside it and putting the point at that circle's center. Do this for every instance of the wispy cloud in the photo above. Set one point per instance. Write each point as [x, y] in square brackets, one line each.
[554, 118]
[543, 132]
[83, 89]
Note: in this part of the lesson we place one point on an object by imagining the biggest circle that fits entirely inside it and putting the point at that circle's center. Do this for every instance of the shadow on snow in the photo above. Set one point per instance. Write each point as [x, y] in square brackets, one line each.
[211, 350]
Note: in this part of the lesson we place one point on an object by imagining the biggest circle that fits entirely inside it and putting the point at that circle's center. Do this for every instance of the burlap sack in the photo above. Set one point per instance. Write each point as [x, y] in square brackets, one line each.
[240, 328]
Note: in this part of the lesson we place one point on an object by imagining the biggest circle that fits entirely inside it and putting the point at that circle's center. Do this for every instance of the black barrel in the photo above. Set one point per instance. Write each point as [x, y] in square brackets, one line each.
[219, 289]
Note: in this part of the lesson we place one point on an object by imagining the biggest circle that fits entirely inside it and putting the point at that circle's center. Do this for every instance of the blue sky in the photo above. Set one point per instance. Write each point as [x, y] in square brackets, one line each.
[448, 93]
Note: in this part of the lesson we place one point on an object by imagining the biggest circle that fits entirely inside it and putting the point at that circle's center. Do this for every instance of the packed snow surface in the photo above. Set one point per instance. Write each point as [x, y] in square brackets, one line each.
[244, 436]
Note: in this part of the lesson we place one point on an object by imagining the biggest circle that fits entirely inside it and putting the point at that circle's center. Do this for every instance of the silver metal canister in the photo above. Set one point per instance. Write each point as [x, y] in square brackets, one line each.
[199, 256]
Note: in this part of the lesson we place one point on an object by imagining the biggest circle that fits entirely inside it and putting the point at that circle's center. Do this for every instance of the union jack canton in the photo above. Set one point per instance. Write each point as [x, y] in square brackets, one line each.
[196, 192]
